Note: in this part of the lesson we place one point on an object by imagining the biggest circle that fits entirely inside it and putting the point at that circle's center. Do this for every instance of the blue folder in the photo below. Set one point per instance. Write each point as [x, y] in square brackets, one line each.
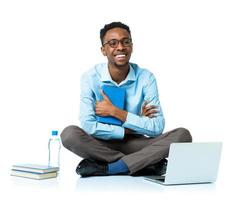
[117, 96]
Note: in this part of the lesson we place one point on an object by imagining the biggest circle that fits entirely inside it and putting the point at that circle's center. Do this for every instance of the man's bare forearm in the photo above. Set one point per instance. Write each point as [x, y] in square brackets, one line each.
[119, 114]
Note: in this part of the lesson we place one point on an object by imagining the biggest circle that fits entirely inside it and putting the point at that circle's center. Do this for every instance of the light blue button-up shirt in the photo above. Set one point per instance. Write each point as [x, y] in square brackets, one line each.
[140, 85]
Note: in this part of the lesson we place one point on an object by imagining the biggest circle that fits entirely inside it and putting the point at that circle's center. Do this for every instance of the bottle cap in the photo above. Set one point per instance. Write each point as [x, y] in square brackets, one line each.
[54, 133]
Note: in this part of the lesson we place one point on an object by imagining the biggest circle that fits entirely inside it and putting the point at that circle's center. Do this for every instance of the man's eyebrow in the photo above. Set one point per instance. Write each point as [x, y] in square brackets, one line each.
[119, 39]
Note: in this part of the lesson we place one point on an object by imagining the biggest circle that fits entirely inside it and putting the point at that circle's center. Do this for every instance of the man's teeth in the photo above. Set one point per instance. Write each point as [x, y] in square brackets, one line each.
[120, 56]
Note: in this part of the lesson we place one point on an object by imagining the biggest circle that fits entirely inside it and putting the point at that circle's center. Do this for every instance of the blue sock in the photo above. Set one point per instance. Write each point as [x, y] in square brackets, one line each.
[118, 167]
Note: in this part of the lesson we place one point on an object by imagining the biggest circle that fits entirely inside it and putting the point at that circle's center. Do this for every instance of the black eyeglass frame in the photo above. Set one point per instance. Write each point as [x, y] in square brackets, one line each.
[122, 41]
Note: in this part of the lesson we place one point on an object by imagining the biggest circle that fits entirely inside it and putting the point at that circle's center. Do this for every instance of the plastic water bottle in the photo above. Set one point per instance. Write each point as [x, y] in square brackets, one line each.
[54, 146]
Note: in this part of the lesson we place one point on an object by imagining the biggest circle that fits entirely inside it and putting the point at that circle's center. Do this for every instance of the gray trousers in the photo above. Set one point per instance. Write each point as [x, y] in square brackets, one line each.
[137, 151]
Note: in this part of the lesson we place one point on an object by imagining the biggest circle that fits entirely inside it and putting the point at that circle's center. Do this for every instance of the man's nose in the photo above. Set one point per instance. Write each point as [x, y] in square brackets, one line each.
[120, 45]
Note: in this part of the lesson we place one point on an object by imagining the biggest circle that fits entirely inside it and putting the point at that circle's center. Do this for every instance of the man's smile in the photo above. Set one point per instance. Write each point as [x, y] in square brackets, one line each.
[120, 56]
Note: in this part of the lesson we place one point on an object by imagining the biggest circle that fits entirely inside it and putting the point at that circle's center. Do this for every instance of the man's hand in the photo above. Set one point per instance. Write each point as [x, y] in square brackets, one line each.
[149, 111]
[105, 107]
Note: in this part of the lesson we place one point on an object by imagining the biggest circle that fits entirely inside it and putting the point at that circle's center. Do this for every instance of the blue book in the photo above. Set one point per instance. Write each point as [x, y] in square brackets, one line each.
[117, 96]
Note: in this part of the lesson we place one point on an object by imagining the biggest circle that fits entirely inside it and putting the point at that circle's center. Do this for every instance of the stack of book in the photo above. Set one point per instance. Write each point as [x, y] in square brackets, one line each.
[34, 171]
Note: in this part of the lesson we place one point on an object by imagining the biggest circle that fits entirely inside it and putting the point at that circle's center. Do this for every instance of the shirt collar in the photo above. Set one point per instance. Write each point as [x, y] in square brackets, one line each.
[105, 75]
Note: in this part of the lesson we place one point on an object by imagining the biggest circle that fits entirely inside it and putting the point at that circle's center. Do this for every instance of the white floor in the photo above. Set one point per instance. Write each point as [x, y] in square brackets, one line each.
[233, 181]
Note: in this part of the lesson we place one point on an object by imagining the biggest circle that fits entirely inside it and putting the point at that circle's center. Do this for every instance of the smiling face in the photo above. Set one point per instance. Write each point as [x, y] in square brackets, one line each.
[118, 54]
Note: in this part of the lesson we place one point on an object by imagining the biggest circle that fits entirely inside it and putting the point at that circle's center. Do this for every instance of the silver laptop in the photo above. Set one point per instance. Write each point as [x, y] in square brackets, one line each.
[190, 163]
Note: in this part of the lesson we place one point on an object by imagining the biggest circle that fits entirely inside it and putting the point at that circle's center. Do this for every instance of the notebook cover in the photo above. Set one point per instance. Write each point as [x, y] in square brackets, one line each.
[117, 97]
[29, 167]
[33, 175]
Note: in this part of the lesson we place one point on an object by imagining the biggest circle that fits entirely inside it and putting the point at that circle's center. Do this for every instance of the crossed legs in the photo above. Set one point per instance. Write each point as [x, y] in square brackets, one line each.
[136, 151]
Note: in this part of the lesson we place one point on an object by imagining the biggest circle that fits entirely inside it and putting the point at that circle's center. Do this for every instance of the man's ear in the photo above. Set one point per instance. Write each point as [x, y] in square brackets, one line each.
[103, 51]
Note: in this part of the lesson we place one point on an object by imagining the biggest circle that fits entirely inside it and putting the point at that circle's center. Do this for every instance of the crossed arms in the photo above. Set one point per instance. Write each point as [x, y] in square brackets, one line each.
[146, 120]
[106, 108]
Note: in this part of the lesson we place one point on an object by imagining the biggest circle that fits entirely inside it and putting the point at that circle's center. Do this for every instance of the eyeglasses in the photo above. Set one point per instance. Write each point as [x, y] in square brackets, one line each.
[126, 42]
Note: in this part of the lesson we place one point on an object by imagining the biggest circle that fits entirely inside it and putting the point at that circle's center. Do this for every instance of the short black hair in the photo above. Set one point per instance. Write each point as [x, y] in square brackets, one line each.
[107, 27]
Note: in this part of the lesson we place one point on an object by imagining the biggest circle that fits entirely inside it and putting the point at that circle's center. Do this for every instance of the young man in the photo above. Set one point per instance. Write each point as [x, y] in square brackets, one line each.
[137, 147]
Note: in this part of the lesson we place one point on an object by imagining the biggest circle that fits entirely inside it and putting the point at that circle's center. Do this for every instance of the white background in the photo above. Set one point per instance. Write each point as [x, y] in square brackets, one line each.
[200, 52]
